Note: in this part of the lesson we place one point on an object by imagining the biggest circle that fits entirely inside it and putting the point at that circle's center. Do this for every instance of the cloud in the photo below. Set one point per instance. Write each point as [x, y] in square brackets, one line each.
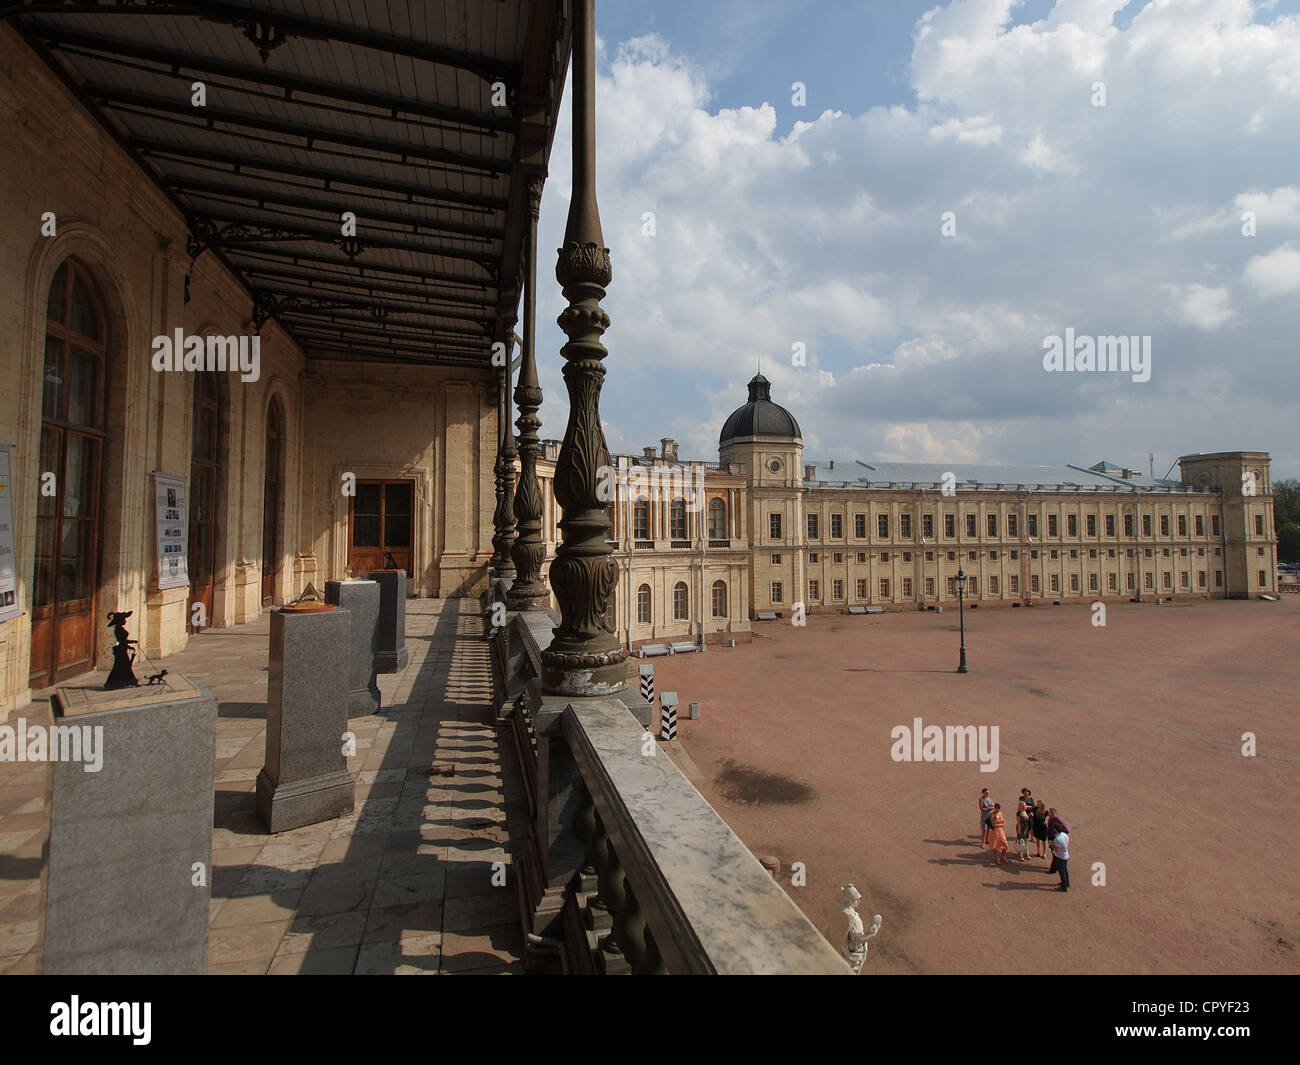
[1200, 306]
[1115, 220]
[1276, 273]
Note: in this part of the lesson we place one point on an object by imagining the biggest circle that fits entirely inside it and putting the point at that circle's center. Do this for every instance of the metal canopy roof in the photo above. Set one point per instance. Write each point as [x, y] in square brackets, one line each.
[384, 108]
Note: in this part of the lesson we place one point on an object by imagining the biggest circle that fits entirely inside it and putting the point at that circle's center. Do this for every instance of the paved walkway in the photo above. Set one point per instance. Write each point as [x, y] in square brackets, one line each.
[402, 885]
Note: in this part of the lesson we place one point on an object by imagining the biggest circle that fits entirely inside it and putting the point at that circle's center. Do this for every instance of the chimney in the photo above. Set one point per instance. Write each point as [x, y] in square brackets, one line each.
[648, 452]
[668, 448]
[810, 473]
[832, 464]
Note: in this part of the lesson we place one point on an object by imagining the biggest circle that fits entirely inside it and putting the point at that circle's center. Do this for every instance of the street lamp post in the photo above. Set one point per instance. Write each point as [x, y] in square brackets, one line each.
[961, 614]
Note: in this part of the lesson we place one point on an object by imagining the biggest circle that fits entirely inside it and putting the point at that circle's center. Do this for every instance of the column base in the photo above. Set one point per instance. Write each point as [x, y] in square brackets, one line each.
[304, 802]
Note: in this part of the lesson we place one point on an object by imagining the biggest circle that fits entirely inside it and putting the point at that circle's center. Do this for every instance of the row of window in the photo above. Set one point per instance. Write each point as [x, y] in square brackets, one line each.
[991, 524]
[677, 528]
[681, 602]
[837, 557]
[1013, 585]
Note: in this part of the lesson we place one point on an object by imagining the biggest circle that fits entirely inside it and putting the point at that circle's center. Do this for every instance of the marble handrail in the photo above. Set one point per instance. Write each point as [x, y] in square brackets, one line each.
[709, 904]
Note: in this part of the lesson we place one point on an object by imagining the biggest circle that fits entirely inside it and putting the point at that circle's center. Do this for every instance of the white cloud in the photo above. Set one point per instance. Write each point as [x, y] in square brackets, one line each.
[1276, 273]
[1201, 306]
[928, 347]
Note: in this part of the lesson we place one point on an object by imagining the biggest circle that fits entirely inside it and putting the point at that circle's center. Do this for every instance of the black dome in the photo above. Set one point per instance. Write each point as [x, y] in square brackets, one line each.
[760, 416]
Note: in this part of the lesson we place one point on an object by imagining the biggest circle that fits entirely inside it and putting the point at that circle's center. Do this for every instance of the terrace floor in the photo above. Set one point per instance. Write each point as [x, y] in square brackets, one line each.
[402, 885]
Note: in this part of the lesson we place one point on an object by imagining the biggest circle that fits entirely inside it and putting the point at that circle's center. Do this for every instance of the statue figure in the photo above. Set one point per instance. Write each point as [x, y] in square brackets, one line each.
[853, 945]
[122, 675]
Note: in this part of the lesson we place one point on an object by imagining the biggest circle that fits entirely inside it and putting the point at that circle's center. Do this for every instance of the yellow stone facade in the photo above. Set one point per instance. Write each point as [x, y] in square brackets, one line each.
[432, 427]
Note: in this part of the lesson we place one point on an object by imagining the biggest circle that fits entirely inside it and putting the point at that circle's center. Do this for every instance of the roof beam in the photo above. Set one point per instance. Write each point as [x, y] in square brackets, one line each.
[150, 147]
[267, 28]
[354, 284]
[238, 255]
[313, 302]
[111, 48]
[172, 109]
[261, 197]
[241, 230]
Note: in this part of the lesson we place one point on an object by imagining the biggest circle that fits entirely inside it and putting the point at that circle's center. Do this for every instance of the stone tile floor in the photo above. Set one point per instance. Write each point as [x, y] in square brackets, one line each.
[405, 884]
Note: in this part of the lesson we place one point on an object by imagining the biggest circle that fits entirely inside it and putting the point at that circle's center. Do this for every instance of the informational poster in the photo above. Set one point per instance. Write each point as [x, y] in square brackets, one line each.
[9, 604]
[173, 530]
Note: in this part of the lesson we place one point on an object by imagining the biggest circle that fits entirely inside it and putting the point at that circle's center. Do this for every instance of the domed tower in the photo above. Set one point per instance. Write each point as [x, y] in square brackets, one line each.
[764, 438]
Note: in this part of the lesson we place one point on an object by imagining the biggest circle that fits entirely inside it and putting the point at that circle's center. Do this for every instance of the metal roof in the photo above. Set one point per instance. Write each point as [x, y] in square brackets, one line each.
[985, 477]
[385, 109]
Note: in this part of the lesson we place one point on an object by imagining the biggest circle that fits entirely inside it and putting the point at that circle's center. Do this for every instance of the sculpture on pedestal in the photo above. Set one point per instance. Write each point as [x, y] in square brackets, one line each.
[122, 675]
[853, 944]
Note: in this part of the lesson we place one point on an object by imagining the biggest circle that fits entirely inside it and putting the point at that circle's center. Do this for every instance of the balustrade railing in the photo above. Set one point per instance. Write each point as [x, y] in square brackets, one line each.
[626, 868]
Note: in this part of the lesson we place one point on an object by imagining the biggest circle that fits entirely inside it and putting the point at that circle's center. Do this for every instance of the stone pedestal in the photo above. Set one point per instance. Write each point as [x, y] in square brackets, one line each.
[390, 634]
[305, 779]
[130, 852]
[361, 600]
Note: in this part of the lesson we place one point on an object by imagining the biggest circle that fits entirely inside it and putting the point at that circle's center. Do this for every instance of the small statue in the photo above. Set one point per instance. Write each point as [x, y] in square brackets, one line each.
[389, 561]
[157, 678]
[122, 675]
[853, 945]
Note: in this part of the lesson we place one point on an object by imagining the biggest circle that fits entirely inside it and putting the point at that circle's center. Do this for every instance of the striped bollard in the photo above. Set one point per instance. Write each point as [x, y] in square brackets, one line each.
[647, 673]
[668, 716]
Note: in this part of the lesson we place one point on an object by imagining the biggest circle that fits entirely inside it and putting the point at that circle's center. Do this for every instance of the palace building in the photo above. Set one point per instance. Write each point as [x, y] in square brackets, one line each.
[771, 531]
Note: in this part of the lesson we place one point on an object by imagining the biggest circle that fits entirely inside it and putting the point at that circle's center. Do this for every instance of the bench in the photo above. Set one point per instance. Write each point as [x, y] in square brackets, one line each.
[768, 616]
[857, 610]
[681, 647]
[653, 650]
[874, 610]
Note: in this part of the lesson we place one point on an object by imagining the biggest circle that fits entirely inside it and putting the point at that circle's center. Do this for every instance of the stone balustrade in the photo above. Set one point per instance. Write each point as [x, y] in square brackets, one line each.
[626, 868]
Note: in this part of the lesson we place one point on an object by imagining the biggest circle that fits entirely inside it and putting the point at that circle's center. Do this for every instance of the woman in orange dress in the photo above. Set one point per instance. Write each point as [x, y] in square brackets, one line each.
[998, 835]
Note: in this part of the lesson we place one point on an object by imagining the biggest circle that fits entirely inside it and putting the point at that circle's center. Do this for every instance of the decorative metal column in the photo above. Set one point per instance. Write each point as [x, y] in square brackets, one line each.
[585, 658]
[529, 592]
[503, 519]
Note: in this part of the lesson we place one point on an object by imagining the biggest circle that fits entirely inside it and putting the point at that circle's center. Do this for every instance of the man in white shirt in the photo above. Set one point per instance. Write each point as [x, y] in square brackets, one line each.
[1061, 857]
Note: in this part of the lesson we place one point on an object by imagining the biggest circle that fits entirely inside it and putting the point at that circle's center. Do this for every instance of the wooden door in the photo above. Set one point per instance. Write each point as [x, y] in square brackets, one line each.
[203, 498]
[68, 513]
[380, 523]
[271, 504]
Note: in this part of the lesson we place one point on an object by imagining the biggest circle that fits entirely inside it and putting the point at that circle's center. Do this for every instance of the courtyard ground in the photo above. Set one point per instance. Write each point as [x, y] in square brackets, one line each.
[1133, 731]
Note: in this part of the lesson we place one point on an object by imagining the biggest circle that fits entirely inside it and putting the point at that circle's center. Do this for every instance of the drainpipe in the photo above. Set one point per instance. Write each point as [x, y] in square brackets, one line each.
[1223, 528]
[628, 538]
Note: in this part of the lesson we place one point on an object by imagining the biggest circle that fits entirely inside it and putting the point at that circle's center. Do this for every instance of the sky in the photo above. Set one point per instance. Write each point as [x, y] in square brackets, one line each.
[958, 183]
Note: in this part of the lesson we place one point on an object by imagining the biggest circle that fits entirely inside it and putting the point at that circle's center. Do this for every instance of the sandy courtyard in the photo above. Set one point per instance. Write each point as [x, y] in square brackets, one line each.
[1132, 731]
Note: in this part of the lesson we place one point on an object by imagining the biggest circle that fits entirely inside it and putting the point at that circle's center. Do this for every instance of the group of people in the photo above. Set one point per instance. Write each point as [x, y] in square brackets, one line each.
[1035, 821]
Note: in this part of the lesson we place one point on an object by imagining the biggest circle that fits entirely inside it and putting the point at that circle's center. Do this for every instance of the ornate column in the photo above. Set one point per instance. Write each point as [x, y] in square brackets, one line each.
[529, 592]
[503, 519]
[585, 658]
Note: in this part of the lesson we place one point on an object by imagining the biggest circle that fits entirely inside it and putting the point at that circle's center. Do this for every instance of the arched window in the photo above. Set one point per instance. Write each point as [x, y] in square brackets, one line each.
[717, 519]
[643, 605]
[271, 500]
[66, 564]
[203, 496]
[641, 519]
[681, 602]
[677, 519]
[719, 599]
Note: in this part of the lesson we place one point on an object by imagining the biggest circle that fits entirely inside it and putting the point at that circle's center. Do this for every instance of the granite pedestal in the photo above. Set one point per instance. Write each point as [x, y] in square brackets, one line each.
[390, 635]
[361, 600]
[305, 779]
[130, 852]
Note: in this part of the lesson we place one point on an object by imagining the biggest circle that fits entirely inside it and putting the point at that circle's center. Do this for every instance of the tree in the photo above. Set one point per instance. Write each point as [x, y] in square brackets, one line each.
[1286, 519]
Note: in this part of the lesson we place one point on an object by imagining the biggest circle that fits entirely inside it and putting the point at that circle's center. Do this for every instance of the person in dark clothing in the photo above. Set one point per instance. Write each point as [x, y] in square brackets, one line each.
[1040, 829]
